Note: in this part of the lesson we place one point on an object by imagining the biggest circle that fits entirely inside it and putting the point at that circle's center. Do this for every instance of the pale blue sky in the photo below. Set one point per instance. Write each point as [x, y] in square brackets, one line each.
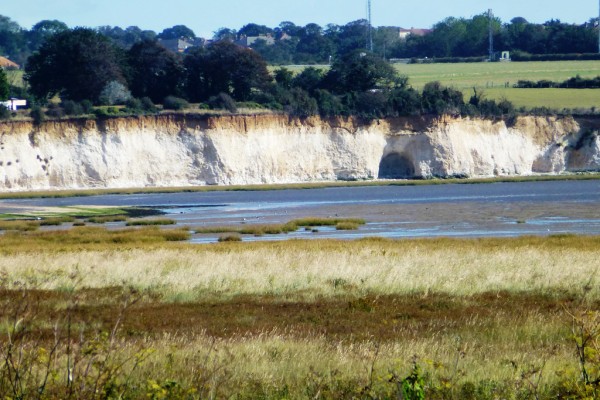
[205, 16]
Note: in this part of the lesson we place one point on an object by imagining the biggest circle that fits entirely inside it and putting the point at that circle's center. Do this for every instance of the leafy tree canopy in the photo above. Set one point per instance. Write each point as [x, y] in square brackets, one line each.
[177, 32]
[225, 68]
[4, 86]
[8, 25]
[155, 72]
[254, 30]
[41, 31]
[225, 34]
[76, 64]
[360, 71]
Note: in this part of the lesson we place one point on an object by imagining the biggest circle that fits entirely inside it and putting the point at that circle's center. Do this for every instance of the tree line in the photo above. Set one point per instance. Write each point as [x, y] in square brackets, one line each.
[85, 68]
[312, 43]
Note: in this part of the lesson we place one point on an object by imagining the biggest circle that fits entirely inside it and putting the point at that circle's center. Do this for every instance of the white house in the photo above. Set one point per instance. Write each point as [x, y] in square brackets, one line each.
[13, 104]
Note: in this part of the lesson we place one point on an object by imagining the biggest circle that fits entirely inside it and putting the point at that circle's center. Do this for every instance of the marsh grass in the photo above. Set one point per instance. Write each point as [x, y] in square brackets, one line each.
[80, 237]
[291, 226]
[230, 238]
[149, 222]
[486, 318]
[56, 221]
[70, 213]
[346, 226]
[107, 219]
[304, 269]
[19, 225]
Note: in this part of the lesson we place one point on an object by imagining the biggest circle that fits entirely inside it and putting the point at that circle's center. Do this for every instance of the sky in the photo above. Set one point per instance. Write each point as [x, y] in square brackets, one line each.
[204, 17]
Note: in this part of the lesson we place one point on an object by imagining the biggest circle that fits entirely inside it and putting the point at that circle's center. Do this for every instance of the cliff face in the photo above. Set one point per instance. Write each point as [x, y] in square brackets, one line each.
[176, 150]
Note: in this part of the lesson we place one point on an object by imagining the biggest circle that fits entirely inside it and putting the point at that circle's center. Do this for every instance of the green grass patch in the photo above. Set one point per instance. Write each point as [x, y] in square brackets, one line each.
[316, 221]
[346, 226]
[149, 222]
[496, 75]
[56, 221]
[19, 225]
[110, 218]
[291, 226]
[99, 215]
[79, 237]
[496, 80]
[553, 98]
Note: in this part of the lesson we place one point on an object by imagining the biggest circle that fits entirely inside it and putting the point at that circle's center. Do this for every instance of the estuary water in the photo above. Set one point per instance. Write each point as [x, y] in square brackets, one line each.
[452, 210]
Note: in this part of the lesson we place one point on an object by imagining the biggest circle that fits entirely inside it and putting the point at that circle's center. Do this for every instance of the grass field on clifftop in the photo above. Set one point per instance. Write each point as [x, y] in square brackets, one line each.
[492, 78]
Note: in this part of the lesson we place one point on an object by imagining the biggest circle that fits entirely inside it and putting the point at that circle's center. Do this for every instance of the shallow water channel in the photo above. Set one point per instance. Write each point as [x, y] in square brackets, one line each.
[454, 210]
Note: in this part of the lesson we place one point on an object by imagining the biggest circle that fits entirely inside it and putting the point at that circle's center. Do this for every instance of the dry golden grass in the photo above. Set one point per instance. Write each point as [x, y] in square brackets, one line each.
[310, 319]
[311, 269]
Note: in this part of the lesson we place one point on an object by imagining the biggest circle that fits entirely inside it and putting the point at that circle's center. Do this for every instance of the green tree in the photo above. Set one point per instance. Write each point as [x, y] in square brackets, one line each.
[225, 68]
[4, 86]
[125, 38]
[155, 72]
[284, 77]
[289, 28]
[224, 34]
[309, 79]
[438, 99]
[177, 32]
[313, 46]
[301, 104]
[41, 31]
[254, 30]
[75, 64]
[360, 71]
[12, 40]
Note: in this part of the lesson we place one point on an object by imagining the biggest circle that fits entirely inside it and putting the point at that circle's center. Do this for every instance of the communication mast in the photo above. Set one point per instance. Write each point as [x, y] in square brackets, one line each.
[491, 18]
[369, 27]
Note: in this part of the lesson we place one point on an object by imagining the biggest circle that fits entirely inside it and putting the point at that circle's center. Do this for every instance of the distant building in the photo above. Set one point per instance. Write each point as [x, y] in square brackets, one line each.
[6, 63]
[181, 45]
[404, 33]
[248, 41]
[13, 104]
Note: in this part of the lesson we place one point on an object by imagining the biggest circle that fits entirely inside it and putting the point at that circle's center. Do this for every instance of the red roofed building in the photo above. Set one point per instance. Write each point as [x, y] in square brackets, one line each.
[6, 63]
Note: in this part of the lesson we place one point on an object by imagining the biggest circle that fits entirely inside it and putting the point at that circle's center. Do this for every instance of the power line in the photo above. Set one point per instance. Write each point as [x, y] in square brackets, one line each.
[491, 18]
[369, 28]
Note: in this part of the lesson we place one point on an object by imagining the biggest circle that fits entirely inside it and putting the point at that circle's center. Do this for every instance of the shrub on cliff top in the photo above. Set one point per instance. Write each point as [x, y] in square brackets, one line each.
[175, 103]
[223, 101]
[37, 114]
[4, 112]
[114, 93]
[72, 108]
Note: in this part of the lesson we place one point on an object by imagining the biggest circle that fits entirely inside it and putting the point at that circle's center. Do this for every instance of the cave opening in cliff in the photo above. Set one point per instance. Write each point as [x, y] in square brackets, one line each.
[396, 166]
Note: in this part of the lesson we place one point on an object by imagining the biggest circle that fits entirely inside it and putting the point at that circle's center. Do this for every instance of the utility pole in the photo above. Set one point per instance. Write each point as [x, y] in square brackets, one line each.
[369, 28]
[598, 26]
[491, 17]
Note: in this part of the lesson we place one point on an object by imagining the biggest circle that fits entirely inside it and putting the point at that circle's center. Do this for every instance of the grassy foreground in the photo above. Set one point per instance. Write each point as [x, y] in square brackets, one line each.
[151, 318]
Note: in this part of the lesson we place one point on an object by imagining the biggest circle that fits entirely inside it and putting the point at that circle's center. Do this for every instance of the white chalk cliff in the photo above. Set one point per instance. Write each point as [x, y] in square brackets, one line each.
[182, 150]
